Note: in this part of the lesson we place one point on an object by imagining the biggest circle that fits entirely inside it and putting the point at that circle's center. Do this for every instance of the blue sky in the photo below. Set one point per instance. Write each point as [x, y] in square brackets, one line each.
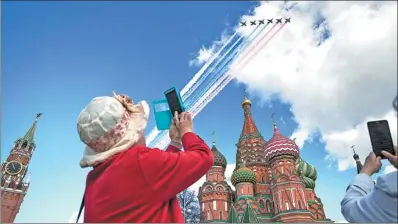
[57, 56]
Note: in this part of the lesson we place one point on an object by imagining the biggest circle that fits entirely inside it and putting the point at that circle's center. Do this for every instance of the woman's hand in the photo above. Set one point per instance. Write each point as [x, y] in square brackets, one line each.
[174, 133]
[184, 123]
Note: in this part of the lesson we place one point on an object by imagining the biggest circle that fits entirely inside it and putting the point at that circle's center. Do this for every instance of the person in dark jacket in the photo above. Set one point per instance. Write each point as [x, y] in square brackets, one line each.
[130, 182]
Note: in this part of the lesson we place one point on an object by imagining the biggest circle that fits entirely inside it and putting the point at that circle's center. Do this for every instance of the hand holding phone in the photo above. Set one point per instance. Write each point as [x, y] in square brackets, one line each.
[393, 159]
[380, 137]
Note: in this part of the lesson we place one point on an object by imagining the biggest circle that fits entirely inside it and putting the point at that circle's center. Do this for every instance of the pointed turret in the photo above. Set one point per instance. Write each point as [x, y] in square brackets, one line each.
[251, 142]
[249, 216]
[357, 160]
[30, 134]
[232, 216]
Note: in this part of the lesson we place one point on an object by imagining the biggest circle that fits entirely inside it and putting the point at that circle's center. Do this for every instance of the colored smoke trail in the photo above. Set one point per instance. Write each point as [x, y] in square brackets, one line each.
[204, 68]
[215, 90]
[224, 79]
[261, 47]
[155, 134]
[250, 38]
[240, 60]
[237, 43]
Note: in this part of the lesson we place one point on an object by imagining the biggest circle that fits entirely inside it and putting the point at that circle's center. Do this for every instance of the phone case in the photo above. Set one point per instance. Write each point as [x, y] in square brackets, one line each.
[162, 114]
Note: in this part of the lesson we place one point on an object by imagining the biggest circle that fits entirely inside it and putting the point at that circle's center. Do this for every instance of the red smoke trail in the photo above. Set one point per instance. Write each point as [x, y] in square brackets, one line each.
[261, 46]
[254, 45]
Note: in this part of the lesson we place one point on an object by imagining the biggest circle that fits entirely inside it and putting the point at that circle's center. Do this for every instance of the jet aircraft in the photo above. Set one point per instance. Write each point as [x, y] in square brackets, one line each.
[287, 20]
[261, 22]
[243, 23]
[253, 23]
[270, 21]
[278, 20]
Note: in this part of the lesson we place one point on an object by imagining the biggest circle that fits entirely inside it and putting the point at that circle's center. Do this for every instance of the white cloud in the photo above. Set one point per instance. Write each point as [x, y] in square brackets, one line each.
[334, 88]
[228, 173]
[344, 221]
[389, 169]
[205, 54]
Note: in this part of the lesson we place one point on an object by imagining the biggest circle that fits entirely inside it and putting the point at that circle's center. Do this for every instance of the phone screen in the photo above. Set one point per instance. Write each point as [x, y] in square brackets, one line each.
[380, 137]
[174, 103]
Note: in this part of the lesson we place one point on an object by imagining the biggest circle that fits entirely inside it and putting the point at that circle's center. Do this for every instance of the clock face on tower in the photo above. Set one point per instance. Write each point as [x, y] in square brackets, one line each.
[13, 167]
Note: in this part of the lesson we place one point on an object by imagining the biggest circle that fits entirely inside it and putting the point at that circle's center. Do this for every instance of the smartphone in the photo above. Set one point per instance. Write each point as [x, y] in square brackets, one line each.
[380, 137]
[174, 100]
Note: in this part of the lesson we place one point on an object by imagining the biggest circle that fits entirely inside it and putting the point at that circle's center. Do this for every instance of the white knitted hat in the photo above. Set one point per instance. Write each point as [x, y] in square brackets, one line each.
[109, 125]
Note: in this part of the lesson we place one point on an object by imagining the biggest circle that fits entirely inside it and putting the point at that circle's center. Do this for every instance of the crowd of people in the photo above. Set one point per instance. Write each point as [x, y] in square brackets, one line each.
[113, 130]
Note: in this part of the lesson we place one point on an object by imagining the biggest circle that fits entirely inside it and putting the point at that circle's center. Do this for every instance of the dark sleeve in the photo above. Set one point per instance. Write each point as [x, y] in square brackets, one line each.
[169, 173]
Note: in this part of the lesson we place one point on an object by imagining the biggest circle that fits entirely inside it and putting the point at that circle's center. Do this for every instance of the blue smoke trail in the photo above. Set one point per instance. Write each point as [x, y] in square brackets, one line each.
[220, 69]
[218, 73]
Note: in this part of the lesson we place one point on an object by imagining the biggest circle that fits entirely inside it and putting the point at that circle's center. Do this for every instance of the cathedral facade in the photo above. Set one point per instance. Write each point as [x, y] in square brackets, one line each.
[272, 183]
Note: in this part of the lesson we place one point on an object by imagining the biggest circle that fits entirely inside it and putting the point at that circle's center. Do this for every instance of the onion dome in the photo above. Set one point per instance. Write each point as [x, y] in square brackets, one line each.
[280, 145]
[219, 159]
[243, 174]
[306, 169]
[309, 183]
[246, 101]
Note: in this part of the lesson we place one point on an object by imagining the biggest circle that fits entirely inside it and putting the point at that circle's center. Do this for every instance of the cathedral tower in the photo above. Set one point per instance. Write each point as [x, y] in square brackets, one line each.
[15, 176]
[215, 195]
[287, 188]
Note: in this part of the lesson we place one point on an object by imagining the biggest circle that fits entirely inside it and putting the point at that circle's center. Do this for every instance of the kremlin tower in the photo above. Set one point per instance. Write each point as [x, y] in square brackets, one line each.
[15, 176]
[272, 182]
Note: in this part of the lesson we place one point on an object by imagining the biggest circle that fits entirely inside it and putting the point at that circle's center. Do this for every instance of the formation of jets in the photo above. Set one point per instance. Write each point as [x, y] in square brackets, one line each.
[262, 22]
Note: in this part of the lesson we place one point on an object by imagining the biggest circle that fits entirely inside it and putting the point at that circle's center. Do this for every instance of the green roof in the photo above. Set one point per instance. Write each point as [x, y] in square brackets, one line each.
[249, 216]
[243, 174]
[232, 217]
[219, 159]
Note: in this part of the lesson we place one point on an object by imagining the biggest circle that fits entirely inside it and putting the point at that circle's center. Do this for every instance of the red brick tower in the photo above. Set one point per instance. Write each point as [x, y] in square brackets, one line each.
[287, 188]
[215, 195]
[15, 177]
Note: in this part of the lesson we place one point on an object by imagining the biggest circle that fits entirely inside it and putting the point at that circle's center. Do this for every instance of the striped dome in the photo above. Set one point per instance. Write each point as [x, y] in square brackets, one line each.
[280, 145]
[309, 183]
[243, 174]
[219, 159]
[305, 169]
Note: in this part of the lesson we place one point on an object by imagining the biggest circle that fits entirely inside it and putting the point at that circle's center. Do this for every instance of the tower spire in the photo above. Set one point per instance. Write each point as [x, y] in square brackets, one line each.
[357, 160]
[214, 137]
[30, 134]
[274, 122]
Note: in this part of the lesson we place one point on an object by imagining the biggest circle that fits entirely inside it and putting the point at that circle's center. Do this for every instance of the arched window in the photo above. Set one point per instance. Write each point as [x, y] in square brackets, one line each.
[299, 205]
[24, 144]
[287, 205]
[268, 206]
[262, 204]
[262, 179]
[220, 215]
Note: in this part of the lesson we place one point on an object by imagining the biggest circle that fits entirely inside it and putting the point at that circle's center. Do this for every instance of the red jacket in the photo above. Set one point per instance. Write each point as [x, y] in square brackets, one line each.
[141, 184]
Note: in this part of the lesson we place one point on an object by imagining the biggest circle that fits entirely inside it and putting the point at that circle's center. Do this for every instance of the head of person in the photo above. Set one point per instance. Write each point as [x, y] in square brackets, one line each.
[110, 125]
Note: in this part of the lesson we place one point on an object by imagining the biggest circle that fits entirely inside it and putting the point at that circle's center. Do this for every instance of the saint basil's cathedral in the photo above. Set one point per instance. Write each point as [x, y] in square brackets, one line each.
[272, 182]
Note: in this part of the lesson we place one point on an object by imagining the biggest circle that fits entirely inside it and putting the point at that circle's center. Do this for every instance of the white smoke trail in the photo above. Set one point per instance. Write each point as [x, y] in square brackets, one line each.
[195, 86]
[203, 69]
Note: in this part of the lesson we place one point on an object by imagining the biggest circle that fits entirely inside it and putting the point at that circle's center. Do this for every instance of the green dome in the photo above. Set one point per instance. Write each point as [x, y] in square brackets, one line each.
[219, 159]
[308, 183]
[304, 168]
[243, 174]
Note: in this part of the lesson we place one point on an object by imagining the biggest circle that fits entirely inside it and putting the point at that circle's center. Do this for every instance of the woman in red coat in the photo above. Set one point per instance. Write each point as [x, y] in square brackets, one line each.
[129, 181]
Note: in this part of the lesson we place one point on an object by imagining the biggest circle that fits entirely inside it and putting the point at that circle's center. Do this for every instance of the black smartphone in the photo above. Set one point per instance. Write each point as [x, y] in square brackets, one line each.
[174, 100]
[380, 137]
